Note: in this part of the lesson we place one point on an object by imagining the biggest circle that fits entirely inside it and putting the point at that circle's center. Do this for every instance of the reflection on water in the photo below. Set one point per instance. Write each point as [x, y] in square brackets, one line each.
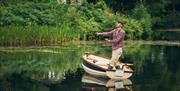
[58, 68]
[93, 82]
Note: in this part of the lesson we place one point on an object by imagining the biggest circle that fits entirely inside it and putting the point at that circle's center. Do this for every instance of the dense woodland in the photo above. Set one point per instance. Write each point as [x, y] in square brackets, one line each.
[164, 13]
[52, 21]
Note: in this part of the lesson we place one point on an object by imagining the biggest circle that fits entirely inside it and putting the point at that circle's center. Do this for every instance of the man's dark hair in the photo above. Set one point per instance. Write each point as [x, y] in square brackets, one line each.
[120, 21]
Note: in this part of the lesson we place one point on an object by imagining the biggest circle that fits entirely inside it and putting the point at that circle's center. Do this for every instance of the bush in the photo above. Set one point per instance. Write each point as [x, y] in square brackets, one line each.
[140, 13]
[105, 20]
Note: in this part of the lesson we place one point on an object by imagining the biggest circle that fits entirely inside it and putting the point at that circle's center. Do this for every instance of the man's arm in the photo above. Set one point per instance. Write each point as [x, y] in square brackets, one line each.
[105, 33]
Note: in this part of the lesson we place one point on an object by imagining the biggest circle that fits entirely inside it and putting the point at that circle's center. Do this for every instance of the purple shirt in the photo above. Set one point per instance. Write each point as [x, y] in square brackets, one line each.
[118, 38]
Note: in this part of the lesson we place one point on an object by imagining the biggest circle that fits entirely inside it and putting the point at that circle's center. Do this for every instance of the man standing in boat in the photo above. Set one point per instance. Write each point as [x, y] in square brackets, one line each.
[118, 35]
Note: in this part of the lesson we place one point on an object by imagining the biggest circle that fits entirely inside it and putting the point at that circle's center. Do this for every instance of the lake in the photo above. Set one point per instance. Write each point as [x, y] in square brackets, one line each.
[58, 68]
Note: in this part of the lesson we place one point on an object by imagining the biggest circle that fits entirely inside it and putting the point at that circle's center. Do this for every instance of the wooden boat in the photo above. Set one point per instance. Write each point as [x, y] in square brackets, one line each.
[91, 81]
[97, 66]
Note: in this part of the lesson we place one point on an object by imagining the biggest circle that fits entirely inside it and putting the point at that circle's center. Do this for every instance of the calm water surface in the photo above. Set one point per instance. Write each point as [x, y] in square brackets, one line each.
[58, 68]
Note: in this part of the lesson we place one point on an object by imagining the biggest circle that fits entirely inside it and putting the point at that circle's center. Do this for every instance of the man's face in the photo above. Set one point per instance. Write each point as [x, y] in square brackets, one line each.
[118, 25]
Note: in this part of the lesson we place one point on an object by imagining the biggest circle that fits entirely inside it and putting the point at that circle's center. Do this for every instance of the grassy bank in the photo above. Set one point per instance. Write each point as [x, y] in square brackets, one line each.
[36, 35]
[128, 43]
[51, 35]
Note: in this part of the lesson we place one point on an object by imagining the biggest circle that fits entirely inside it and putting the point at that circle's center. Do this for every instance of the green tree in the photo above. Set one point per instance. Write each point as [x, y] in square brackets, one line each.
[141, 14]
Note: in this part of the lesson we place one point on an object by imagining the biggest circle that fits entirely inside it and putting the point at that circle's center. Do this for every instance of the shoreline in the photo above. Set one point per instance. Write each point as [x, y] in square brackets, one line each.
[156, 42]
[103, 43]
[169, 30]
[128, 42]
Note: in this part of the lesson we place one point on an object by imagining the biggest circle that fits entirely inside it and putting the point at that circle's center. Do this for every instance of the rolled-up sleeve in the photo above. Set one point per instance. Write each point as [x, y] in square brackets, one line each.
[107, 33]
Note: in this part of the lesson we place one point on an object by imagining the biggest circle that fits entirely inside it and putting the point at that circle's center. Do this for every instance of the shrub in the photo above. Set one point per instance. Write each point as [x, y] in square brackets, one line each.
[140, 13]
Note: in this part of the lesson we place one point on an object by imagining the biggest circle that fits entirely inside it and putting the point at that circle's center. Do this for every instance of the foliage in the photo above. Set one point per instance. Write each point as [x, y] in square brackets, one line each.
[121, 6]
[81, 22]
[158, 9]
[170, 20]
[60, 22]
[140, 13]
[27, 14]
[166, 35]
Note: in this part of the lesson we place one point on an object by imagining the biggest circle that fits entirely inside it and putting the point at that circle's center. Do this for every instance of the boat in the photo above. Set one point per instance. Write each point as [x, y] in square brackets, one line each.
[98, 66]
[95, 82]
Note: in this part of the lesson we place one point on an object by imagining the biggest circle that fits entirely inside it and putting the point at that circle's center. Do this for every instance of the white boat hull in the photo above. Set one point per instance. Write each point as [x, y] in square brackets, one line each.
[94, 72]
[97, 66]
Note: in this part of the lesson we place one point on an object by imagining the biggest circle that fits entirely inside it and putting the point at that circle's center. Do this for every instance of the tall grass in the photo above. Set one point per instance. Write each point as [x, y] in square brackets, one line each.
[30, 35]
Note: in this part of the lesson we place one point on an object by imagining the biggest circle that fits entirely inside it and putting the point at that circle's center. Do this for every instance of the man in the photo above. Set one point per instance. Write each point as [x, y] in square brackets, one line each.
[117, 43]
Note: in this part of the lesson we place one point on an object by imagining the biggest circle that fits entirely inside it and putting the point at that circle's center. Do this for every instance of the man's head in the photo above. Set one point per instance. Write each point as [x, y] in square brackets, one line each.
[119, 24]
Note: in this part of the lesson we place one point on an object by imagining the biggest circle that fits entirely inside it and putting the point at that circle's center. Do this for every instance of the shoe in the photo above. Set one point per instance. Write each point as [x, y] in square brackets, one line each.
[119, 71]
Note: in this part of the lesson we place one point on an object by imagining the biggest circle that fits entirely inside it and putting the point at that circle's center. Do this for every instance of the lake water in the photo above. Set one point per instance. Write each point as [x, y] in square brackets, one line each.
[58, 68]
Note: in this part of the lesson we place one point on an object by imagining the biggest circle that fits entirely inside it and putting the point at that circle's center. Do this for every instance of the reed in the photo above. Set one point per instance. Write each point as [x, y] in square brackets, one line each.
[30, 35]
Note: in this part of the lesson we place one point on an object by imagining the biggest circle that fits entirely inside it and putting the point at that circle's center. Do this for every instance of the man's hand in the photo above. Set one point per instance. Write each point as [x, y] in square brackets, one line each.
[107, 40]
[98, 33]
